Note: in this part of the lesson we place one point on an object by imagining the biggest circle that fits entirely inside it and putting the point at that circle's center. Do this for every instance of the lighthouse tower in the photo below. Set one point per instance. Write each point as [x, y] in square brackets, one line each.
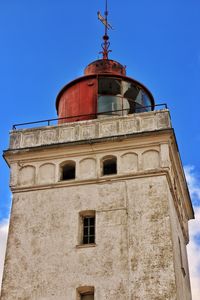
[100, 202]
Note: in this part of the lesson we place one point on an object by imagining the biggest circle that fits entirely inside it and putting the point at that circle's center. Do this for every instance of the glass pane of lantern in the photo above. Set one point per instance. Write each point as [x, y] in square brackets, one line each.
[110, 105]
[126, 107]
[146, 102]
[129, 90]
[109, 86]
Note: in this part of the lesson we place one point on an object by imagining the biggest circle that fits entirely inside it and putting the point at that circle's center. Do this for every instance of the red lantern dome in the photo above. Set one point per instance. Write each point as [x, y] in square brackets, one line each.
[103, 90]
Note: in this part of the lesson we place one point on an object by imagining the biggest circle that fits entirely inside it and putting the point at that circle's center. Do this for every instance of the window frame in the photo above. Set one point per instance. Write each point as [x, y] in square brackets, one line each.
[83, 215]
[88, 230]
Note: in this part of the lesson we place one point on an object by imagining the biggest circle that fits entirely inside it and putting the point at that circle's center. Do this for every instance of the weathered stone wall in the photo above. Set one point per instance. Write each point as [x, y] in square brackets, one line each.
[133, 256]
[140, 212]
[180, 254]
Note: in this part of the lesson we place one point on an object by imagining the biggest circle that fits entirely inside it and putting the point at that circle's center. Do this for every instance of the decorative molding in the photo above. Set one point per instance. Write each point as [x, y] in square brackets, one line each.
[92, 129]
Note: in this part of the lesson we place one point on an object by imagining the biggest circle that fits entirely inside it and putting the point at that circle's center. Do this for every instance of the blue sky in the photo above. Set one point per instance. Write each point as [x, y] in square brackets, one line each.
[46, 43]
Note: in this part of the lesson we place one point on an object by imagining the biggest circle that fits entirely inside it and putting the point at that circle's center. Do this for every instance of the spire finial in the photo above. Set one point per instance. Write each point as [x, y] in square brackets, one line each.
[106, 44]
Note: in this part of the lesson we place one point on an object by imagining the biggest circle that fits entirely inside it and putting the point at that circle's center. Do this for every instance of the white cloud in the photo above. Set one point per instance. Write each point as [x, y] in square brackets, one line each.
[194, 228]
[194, 254]
[193, 181]
[3, 239]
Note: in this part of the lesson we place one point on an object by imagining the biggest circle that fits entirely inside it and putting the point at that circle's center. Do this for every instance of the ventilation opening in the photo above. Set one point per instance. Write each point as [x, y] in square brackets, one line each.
[110, 166]
[68, 171]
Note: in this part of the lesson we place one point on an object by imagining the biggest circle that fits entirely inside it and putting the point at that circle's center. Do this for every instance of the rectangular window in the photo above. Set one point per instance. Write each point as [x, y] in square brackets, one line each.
[88, 230]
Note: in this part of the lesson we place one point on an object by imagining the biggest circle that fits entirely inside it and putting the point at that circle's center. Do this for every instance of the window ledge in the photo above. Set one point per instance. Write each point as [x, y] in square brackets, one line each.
[85, 246]
[65, 180]
[108, 175]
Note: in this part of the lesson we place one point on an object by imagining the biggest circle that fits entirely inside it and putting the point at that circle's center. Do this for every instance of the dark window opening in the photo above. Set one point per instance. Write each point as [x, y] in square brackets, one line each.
[110, 166]
[89, 230]
[87, 297]
[68, 171]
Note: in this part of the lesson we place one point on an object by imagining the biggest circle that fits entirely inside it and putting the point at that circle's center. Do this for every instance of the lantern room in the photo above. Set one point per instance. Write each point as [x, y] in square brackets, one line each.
[104, 90]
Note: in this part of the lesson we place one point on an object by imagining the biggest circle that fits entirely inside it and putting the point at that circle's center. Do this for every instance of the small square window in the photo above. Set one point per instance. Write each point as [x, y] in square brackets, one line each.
[68, 170]
[109, 165]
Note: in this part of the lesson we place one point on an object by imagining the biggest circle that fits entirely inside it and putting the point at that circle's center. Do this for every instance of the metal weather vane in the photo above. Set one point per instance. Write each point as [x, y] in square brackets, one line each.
[106, 44]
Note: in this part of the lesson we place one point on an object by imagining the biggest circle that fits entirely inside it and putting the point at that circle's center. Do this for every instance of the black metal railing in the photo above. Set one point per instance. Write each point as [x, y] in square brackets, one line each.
[123, 112]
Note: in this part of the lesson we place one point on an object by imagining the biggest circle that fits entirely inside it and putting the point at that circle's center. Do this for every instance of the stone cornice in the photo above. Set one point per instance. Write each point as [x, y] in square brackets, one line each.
[90, 130]
[84, 147]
